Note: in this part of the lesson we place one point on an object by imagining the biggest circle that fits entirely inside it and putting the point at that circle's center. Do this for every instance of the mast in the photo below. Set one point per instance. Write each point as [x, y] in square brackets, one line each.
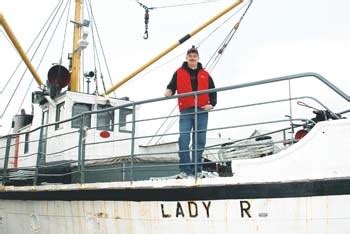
[75, 75]
[172, 47]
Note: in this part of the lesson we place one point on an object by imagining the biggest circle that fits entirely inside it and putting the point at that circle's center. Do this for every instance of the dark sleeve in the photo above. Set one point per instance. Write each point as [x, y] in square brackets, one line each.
[172, 84]
[213, 95]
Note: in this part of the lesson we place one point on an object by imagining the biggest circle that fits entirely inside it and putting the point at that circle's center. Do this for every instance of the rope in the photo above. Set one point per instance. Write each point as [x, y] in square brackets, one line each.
[21, 79]
[31, 45]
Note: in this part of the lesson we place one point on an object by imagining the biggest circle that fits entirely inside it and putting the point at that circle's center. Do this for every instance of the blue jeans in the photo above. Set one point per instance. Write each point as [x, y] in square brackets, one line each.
[187, 123]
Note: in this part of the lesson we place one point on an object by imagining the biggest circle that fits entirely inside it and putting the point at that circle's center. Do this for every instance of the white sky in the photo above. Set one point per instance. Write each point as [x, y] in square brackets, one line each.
[276, 38]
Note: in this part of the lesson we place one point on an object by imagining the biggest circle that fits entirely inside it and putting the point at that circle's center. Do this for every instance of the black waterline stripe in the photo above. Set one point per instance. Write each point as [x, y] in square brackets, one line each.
[212, 192]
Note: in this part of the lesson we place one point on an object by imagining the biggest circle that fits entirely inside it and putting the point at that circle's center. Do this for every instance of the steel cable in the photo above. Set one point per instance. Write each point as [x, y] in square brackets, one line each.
[21, 79]
[43, 55]
[100, 43]
[31, 45]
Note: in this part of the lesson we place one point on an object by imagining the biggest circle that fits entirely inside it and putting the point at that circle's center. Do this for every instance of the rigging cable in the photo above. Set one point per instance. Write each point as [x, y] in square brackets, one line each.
[226, 41]
[178, 5]
[176, 57]
[59, 4]
[95, 52]
[147, 11]
[7, 105]
[170, 125]
[65, 32]
[149, 142]
[199, 44]
[43, 55]
[183, 53]
[219, 26]
[7, 39]
[100, 43]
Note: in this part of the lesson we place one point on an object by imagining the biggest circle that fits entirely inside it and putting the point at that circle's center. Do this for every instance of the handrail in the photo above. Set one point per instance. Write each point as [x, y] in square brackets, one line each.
[231, 87]
[82, 145]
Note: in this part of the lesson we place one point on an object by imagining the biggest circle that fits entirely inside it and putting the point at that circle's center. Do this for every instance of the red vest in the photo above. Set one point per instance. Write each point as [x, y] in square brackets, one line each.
[183, 83]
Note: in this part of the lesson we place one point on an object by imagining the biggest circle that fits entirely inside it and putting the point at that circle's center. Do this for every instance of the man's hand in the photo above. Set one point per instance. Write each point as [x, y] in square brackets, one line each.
[168, 93]
[208, 107]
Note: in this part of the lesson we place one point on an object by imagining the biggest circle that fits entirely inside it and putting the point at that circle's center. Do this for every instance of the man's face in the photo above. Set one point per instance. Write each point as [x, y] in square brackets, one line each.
[192, 59]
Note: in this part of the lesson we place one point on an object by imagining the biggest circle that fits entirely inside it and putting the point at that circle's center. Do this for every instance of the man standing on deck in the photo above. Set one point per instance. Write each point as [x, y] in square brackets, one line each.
[188, 78]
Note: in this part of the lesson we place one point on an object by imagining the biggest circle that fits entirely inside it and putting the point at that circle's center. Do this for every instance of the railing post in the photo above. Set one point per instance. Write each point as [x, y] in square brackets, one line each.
[38, 156]
[6, 160]
[132, 142]
[81, 149]
[195, 140]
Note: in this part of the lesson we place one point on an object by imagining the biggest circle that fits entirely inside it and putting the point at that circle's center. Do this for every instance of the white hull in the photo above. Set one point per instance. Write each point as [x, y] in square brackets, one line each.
[313, 215]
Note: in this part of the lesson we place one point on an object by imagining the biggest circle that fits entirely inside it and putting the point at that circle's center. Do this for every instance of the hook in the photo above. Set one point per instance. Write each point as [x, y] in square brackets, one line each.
[145, 35]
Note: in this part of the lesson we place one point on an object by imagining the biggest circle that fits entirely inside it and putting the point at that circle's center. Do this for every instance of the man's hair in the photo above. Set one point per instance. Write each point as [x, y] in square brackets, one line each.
[193, 49]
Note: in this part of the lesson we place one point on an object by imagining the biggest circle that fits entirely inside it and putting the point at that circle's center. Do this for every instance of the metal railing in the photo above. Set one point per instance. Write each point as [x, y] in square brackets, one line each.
[129, 162]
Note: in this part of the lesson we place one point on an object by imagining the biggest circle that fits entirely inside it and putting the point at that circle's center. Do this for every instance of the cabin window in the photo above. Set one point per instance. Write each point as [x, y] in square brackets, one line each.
[26, 143]
[125, 118]
[59, 115]
[79, 108]
[105, 120]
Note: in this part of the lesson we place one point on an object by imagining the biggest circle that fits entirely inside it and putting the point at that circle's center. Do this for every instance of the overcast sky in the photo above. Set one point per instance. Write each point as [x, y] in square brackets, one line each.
[276, 38]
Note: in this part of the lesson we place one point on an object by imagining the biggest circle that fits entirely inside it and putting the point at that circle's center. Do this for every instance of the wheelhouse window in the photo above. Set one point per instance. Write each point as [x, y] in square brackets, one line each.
[79, 108]
[105, 120]
[59, 115]
[125, 118]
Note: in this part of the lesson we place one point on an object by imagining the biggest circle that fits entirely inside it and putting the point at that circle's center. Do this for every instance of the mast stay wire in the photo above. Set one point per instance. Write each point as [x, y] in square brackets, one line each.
[41, 59]
[160, 127]
[170, 60]
[65, 31]
[231, 36]
[7, 39]
[95, 51]
[220, 50]
[59, 4]
[176, 57]
[101, 47]
[220, 25]
[175, 5]
[36, 50]
[183, 53]
[170, 125]
[147, 11]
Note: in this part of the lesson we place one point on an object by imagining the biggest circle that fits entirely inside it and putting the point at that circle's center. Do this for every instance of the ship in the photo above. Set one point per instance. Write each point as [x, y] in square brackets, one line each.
[82, 161]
